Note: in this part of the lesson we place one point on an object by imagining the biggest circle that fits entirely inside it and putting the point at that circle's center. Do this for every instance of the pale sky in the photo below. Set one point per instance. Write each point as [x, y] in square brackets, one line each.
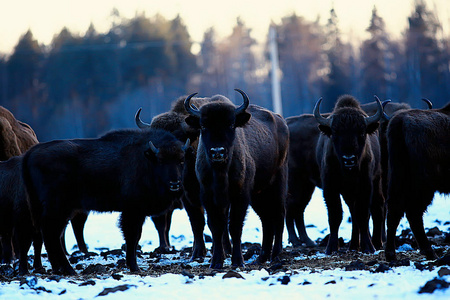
[46, 18]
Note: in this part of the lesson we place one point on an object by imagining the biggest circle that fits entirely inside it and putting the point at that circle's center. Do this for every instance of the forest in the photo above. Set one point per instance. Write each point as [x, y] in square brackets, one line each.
[83, 85]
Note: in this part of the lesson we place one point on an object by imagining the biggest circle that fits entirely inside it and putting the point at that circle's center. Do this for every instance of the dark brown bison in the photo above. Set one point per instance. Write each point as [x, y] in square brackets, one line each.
[16, 138]
[419, 166]
[15, 219]
[304, 174]
[241, 160]
[174, 122]
[348, 157]
[135, 172]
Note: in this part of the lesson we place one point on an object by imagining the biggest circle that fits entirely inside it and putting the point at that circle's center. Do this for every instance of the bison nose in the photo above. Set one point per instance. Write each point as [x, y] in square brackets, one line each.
[174, 186]
[349, 160]
[218, 153]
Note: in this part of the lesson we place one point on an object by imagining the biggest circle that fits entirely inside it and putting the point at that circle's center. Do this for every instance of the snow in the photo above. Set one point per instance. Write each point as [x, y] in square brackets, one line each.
[101, 232]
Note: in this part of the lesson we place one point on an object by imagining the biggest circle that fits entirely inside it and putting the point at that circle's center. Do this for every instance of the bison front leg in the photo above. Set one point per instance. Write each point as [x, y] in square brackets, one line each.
[378, 212]
[131, 226]
[197, 220]
[162, 225]
[361, 215]
[217, 223]
[334, 207]
[238, 211]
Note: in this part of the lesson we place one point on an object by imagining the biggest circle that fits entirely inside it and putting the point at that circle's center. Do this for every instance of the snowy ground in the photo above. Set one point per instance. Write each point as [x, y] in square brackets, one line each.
[101, 232]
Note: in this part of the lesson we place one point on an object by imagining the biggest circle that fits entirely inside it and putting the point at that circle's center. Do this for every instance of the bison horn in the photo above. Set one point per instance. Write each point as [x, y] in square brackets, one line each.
[385, 116]
[319, 118]
[244, 105]
[190, 108]
[188, 143]
[429, 103]
[153, 148]
[139, 122]
[377, 116]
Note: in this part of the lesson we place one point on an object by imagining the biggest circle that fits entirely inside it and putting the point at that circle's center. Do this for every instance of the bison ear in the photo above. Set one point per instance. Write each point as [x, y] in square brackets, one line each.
[372, 128]
[242, 119]
[193, 121]
[325, 130]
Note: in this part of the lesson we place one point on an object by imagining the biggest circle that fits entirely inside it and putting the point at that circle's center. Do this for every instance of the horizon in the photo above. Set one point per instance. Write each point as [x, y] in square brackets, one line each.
[47, 18]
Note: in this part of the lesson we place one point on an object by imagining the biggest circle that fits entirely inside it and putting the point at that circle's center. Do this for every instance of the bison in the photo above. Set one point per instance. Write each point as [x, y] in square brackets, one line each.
[15, 219]
[419, 165]
[174, 122]
[348, 157]
[241, 160]
[16, 138]
[304, 173]
[134, 172]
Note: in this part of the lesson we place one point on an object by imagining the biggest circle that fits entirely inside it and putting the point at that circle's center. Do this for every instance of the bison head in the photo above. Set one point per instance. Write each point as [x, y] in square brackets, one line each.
[167, 161]
[217, 121]
[348, 127]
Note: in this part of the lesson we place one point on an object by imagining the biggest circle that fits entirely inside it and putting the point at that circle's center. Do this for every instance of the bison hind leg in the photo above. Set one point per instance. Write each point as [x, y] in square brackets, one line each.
[52, 229]
[300, 192]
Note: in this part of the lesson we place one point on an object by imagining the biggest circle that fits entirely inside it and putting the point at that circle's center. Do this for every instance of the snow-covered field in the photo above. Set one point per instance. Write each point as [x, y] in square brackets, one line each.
[101, 231]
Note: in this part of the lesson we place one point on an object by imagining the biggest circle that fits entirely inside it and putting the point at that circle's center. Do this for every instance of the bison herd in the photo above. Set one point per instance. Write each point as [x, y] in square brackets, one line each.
[385, 160]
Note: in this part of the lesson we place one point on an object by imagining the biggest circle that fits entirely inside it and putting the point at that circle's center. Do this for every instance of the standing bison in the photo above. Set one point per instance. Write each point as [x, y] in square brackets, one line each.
[174, 122]
[419, 165]
[348, 156]
[241, 160]
[16, 138]
[304, 173]
[134, 172]
[15, 219]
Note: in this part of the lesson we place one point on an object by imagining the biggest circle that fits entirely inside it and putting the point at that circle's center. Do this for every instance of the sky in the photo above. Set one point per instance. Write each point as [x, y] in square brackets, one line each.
[46, 18]
[100, 231]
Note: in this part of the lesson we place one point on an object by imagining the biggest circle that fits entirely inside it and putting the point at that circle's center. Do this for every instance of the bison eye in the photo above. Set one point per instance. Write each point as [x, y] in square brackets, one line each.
[232, 126]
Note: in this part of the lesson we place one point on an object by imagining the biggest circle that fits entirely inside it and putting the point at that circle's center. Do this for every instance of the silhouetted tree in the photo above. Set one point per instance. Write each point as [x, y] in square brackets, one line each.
[425, 61]
[336, 80]
[301, 61]
[376, 60]
[23, 66]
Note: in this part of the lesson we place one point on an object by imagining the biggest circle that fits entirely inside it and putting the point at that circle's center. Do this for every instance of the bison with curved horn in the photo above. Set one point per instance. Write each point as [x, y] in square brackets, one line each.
[348, 156]
[174, 122]
[241, 160]
[137, 173]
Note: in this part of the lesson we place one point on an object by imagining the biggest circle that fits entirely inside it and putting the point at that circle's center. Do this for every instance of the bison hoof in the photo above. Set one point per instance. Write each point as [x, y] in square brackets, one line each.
[216, 265]
[309, 243]
[390, 256]
[198, 254]
[429, 254]
[65, 271]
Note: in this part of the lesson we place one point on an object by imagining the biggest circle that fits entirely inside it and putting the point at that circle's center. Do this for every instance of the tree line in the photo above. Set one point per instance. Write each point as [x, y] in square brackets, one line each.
[82, 85]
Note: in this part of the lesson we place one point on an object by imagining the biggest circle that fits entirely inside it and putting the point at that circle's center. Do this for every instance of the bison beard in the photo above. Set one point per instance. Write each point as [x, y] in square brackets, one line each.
[129, 171]
[241, 159]
[419, 165]
[348, 156]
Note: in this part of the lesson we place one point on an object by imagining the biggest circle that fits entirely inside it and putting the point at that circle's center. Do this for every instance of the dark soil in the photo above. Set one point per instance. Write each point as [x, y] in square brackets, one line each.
[111, 263]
